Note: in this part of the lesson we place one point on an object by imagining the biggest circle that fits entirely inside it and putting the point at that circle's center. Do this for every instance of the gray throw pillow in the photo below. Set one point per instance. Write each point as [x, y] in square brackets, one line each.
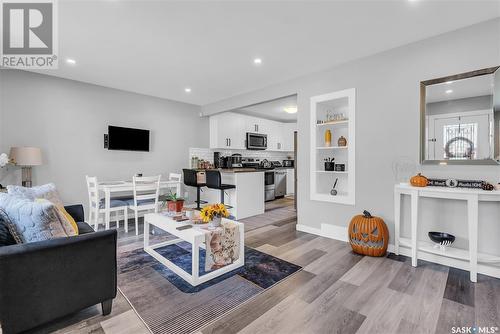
[33, 221]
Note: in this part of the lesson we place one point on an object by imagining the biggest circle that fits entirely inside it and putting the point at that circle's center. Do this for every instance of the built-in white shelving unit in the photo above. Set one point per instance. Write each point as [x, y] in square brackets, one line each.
[332, 148]
[335, 112]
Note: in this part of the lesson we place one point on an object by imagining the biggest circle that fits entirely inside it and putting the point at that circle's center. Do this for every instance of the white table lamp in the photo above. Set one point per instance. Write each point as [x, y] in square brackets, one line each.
[26, 157]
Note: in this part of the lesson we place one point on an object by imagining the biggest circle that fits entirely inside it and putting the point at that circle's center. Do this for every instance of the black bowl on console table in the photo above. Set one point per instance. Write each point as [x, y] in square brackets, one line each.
[439, 237]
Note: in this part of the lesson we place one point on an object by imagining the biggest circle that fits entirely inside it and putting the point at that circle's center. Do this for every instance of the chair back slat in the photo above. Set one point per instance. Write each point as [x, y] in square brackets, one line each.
[92, 188]
[146, 188]
[146, 179]
[175, 177]
[143, 197]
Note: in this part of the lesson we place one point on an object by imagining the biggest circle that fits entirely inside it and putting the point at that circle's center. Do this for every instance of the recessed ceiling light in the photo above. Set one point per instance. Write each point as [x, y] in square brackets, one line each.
[449, 82]
[187, 90]
[290, 110]
[71, 61]
[449, 91]
[257, 61]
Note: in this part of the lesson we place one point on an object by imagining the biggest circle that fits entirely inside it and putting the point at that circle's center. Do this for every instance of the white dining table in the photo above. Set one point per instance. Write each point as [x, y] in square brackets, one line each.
[126, 187]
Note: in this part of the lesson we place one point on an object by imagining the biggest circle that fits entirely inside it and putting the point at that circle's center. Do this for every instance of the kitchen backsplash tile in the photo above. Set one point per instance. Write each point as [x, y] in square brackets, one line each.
[207, 154]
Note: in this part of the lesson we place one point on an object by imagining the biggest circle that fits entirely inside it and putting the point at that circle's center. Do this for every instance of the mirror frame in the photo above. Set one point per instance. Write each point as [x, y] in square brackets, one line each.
[423, 85]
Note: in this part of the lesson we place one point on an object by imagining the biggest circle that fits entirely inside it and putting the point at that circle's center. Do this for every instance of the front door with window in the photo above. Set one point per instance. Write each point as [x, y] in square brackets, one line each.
[462, 137]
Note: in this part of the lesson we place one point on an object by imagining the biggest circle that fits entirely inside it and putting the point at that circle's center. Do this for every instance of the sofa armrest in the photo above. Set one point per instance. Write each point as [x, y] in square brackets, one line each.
[76, 211]
[42, 281]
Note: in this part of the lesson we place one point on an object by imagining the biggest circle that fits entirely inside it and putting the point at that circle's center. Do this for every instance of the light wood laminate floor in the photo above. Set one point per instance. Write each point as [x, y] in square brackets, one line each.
[336, 292]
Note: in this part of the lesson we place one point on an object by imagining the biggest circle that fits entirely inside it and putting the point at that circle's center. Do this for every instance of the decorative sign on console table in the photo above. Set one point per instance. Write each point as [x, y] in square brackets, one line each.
[452, 183]
[467, 259]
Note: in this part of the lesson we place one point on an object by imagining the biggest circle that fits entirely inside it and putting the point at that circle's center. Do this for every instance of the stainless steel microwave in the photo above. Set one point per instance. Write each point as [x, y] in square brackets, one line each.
[256, 141]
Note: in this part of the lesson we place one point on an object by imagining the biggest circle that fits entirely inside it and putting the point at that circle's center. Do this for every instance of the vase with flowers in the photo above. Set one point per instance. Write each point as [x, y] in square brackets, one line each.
[4, 161]
[213, 214]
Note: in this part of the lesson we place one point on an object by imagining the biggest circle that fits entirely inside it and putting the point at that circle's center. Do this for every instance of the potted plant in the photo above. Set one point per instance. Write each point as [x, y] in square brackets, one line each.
[213, 214]
[174, 203]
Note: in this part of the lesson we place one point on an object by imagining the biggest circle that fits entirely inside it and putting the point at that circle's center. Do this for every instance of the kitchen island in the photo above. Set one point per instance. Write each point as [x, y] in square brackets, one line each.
[247, 199]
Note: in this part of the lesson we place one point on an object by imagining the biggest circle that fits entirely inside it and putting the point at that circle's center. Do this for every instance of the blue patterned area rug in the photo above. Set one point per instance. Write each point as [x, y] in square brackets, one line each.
[168, 304]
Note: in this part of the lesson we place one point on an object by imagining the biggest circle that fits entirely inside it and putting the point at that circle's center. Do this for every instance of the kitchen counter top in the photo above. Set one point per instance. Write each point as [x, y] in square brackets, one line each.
[240, 170]
[235, 170]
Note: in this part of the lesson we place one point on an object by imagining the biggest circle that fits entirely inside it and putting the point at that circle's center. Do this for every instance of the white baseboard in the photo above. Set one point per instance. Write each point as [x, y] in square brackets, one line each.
[335, 232]
[340, 233]
[326, 230]
[308, 229]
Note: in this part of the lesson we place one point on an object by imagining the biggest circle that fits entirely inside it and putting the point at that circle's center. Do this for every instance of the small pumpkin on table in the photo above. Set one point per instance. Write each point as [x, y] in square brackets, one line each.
[419, 181]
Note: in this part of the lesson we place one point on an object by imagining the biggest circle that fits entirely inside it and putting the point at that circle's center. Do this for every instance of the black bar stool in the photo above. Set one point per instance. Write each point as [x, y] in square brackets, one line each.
[191, 179]
[214, 181]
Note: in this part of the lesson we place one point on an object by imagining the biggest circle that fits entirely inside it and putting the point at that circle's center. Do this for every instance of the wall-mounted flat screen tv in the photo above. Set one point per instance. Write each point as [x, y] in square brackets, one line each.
[128, 139]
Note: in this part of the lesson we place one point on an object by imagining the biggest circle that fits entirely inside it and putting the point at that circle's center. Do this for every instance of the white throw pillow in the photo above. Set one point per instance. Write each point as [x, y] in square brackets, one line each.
[34, 221]
[47, 191]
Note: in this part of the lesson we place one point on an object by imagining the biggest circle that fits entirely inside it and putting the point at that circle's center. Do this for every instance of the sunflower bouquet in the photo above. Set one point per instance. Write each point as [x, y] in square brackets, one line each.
[209, 212]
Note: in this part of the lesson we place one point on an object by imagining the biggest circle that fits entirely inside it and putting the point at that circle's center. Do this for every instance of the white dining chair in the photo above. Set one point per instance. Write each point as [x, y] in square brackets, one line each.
[97, 205]
[175, 177]
[146, 192]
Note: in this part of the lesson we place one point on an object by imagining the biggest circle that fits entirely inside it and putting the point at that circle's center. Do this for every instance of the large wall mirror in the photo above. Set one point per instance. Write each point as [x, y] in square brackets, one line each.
[460, 118]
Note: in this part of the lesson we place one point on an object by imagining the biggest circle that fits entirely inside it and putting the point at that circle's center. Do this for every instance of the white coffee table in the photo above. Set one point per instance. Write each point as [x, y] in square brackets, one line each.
[196, 237]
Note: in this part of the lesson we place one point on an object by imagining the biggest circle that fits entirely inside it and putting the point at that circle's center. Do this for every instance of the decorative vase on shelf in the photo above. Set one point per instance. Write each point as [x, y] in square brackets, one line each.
[342, 141]
[328, 138]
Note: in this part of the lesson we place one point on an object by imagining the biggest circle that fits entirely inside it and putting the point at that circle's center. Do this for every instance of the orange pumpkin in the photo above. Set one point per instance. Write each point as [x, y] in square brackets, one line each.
[419, 181]
[368, 235]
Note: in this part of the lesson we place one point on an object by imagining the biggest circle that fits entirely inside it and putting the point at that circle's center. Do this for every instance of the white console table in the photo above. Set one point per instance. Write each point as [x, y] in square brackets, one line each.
[421, 248]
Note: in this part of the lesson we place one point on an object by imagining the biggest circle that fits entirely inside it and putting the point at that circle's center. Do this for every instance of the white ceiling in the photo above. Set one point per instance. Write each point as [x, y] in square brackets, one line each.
[159, 48]
[460, 89]
[273, 110]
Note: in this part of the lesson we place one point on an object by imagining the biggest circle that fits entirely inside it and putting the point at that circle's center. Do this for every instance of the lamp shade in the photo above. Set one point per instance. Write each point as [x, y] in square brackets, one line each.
[26, 156]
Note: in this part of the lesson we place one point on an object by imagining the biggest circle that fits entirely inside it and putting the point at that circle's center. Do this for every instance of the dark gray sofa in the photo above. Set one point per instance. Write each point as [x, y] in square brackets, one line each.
[42, 281]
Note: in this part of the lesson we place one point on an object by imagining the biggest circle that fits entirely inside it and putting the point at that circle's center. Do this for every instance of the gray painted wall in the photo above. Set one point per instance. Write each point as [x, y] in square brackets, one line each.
[387, 115]
[2, 100]
[67, 120]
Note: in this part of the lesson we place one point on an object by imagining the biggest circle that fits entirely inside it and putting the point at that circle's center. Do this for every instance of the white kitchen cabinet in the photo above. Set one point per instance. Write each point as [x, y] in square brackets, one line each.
[253, 124]
[280, 136]
[274, 136]
[227, 130]
[288, 136]
[290, 181]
